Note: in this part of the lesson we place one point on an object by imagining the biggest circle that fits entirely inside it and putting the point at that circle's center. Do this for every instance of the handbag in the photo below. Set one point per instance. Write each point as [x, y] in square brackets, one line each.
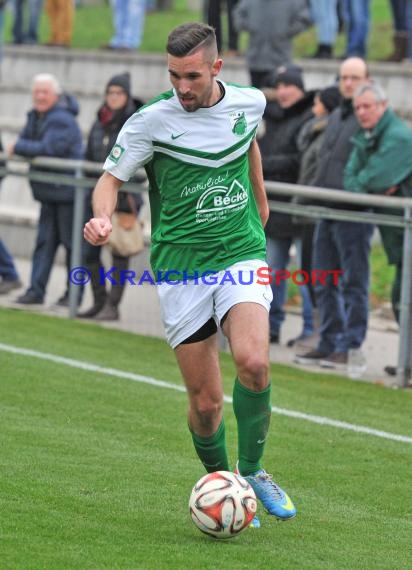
[127, 237]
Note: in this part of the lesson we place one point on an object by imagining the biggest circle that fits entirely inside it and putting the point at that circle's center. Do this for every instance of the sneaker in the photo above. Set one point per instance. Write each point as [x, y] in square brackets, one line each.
[29, 299]
[108, 313]
[255, 522]
[8, 285]
[274, 338]
[303, 336]
[336, 360]
[63, 301]
[275, 501]
[312, 357]
[390, 370]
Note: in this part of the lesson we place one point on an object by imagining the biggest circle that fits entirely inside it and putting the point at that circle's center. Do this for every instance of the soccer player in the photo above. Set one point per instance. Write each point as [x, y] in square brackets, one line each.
[208, 207]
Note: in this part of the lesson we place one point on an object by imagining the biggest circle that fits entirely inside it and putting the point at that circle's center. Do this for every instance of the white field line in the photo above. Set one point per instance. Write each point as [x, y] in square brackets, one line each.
[162, 384]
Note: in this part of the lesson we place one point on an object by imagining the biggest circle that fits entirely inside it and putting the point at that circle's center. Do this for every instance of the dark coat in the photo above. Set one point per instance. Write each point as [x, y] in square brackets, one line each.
[310, 142]
[281, 155]
[336, 148]
[52, 134]
[381, 159]
[102, 137]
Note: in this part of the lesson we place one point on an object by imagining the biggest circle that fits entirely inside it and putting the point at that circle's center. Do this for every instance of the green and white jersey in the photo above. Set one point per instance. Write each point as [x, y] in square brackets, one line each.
[204, 214]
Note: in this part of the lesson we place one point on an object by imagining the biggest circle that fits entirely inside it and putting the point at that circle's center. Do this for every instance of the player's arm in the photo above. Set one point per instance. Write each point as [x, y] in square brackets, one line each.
[256, 178]
[98, 228]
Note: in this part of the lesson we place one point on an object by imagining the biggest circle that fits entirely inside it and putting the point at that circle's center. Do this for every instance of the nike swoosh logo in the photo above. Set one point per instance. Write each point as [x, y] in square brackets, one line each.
[288, 506]
[261, 440]
[174, 137]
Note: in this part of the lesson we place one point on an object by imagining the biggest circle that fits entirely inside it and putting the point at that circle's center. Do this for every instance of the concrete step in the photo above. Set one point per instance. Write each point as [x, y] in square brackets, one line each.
[85, 74]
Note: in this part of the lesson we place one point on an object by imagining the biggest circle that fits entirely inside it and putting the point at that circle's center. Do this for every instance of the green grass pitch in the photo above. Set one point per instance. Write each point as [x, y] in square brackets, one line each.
[96, 470]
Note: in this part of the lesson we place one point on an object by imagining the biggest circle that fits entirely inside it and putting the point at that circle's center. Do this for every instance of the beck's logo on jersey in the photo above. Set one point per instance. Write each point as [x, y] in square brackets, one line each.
[238, 123]
[216, 202]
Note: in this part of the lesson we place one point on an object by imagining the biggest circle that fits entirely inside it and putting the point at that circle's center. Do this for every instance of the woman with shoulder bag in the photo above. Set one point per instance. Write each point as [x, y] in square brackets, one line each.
[118, 106]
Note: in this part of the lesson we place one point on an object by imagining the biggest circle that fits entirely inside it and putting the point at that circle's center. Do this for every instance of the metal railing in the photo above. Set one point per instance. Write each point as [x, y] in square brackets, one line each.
[83, 184]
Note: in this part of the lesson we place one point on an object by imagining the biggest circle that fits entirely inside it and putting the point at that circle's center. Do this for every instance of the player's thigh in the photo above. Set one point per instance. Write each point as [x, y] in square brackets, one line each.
[199, 365]
[185, 307]
[247, 328]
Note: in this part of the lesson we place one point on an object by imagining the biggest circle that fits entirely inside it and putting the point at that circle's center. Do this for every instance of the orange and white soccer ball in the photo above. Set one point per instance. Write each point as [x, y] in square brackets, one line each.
[222, 504]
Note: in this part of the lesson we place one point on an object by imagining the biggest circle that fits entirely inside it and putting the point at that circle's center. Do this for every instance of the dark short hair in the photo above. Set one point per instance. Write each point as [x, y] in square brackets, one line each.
[190, 37]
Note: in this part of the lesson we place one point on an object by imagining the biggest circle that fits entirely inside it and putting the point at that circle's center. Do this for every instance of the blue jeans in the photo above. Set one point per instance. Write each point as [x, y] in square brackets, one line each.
[343, 308]
[356, 16]
[325, 16]
[277, 253]
[8, 270]
[55, 228]
[128, 18]
[23, 31]
[399, 15]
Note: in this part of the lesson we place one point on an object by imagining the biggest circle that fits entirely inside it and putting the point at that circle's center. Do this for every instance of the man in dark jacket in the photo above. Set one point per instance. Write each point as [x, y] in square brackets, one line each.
[51, 130]
[341, 245]
[283, 120]
[381, 163]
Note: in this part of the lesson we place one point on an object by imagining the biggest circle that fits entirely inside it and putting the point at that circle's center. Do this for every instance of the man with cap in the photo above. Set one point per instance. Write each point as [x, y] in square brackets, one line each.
[284, 117]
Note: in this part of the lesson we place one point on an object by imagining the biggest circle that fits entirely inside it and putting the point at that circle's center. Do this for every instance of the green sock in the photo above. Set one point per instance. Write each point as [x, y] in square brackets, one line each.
[212, 450]
[252, 411]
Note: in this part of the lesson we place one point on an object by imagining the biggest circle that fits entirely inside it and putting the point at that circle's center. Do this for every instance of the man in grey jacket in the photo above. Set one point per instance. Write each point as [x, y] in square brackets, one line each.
[272, 25]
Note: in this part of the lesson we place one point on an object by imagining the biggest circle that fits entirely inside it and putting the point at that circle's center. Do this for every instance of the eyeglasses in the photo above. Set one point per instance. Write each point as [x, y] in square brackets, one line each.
[351, 77]
[116, 92]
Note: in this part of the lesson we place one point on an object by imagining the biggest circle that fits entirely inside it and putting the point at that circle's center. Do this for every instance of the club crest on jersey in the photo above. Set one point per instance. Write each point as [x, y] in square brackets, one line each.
[116, 153]
[238, 123]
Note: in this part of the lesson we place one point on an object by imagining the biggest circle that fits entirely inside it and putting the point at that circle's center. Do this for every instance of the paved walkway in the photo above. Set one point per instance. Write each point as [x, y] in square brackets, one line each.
[140, 314]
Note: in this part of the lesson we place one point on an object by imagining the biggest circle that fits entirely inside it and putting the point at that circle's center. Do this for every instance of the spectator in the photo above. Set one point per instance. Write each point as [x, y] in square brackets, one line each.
[381, 163]
[26, 32]
[284, 118]
[325, 16]
[214, 18]
[309, 143]
[61, 16]
[356, 17]
[312, 134]
[272, 25]
[401, 31]
[340, 245]
[118, 106]
[128, 22]
[51, 130]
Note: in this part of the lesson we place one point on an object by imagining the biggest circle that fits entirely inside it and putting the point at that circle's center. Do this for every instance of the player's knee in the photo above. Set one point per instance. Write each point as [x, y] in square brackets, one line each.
[254, 369]
[207, 410]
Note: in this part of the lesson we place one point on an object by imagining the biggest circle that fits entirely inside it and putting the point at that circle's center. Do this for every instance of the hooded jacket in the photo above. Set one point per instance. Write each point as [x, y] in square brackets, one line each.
[52, 134]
